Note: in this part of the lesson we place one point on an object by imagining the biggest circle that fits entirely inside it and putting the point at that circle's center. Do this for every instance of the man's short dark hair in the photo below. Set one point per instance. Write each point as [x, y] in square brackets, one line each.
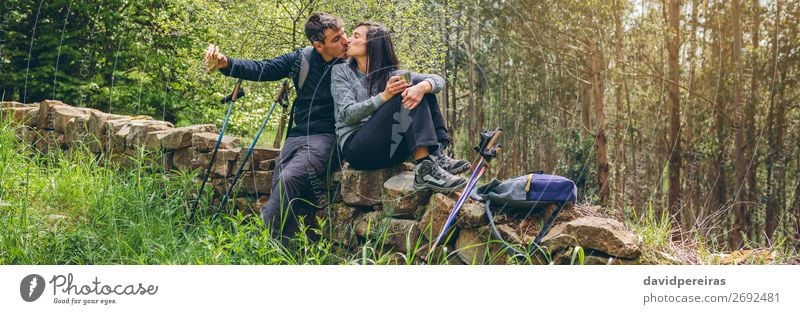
[317, 24]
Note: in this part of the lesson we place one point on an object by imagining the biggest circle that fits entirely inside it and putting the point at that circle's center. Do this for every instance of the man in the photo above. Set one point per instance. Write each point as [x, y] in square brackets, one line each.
[310, 141]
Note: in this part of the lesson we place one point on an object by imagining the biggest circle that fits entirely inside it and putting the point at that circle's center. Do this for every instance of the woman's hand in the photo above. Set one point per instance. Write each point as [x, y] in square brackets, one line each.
[394, 86]
[412, 96]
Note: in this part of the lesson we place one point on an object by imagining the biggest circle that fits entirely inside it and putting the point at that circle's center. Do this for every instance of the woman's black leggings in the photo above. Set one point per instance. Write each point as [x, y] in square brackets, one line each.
[392, 134]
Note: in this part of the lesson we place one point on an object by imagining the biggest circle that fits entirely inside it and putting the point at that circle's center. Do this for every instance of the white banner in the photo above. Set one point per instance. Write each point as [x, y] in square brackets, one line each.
[399, 289]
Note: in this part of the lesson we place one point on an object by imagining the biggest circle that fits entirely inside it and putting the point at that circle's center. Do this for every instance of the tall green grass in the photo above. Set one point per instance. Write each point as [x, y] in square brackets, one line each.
[65, 208]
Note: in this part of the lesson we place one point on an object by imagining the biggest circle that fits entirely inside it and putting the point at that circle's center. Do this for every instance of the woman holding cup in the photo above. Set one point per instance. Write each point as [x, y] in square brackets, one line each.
[383, 119]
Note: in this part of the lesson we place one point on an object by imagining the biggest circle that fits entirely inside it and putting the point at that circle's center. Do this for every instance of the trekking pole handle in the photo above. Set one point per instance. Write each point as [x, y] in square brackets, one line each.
[492, 150]
[283, 91]
[491, 154]
[237, 92]
[495, 137]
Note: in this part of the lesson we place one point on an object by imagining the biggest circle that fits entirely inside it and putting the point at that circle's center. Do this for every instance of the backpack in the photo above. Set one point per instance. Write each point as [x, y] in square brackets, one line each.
[532, 191]
[302, 73]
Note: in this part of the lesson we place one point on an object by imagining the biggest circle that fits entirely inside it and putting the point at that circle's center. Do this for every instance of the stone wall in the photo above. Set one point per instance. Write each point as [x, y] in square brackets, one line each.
[377, 206]
[51, 126]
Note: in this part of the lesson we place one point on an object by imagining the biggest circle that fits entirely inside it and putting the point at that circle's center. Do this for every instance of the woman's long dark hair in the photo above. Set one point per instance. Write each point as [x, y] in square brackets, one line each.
[381, 58]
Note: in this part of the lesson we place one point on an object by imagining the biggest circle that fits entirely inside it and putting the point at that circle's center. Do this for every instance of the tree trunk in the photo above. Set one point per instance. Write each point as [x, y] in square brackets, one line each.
[779, 197]
[720, 182]
[750, 127]
[446, 89]
[453, 83]
[673, 47]
[689, 217]
[619, 180]
[471, 80]
[586, 102]
[775, 135]
[660, 158]
[598, 87]
[737, 239]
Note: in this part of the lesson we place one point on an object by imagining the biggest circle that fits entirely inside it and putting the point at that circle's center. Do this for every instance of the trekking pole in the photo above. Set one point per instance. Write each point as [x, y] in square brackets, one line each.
[279, 98]
[546, 227]
[231, 99]
[487, 150]
[493, 228]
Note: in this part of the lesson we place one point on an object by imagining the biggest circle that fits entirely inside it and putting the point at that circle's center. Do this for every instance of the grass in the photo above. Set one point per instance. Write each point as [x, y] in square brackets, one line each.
[699, 248]
[65, 209]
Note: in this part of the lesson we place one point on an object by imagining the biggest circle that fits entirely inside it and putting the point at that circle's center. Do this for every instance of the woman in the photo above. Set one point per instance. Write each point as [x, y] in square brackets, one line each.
[381, 119]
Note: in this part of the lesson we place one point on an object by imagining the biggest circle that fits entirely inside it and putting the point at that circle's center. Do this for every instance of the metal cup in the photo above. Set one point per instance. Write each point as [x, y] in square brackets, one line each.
[406, 76]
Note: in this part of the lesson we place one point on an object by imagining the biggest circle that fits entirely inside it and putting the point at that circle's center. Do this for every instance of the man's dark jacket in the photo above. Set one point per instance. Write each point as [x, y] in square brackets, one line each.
[313, 106]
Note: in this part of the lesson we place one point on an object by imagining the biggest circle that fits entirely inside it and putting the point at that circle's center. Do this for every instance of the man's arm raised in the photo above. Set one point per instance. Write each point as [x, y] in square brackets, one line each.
[265, 70]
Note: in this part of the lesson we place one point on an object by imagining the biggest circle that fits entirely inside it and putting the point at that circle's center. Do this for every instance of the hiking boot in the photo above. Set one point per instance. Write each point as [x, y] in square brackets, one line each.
[427, 174]
[454, 166]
